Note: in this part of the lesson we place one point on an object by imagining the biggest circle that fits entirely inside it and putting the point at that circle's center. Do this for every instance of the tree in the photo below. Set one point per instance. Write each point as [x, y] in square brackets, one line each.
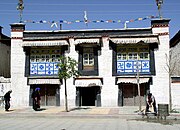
[67, 69]
[139, 92]
[171, 62]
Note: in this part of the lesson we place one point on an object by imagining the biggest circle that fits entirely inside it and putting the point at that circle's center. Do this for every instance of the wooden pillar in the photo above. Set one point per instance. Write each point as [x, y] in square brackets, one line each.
[57, 96]
[120, 95]
[30, 96]
[98, 98]
[77, 97]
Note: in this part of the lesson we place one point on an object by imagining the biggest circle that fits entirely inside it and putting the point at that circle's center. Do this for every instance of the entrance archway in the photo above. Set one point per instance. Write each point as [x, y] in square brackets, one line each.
[88, 96]
[49, 94]
[128, 94]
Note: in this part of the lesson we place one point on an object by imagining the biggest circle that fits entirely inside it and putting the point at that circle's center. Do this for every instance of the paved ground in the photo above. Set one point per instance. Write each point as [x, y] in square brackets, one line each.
[86, 118]
[90, 111]
[58, 123]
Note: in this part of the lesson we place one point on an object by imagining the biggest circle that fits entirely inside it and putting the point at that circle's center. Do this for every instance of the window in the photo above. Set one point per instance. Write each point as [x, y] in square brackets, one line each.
[47, 58]
[44, 61]
[43, 58]
[127, 57]
[132, 56]
[53, 58]
[32, 58]
[57, 58]
[37, 58]
[121, 56]
[88, 58]
[45, 55]
[132, 53]
[144, 56]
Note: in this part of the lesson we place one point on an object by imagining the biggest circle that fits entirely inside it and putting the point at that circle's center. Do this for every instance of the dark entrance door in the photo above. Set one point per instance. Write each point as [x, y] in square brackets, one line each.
[49, 94]
[88, 96]
[130, 94]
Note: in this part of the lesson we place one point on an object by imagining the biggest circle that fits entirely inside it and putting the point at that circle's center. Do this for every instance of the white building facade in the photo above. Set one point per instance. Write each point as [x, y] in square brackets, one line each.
[108, 60]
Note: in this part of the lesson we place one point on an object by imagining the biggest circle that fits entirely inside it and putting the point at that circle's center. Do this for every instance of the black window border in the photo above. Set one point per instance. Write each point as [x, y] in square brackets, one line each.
[94, 72]
[27, 61]
[113, 46]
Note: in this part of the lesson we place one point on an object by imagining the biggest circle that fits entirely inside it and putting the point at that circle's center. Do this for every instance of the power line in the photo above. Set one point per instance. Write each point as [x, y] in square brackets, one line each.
[80, 14]
[135, 11]
[100, 4]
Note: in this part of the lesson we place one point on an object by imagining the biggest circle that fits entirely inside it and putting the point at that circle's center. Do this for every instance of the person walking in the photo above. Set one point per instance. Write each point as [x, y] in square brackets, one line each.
[151, 102]
[36, 99]
[7, 100]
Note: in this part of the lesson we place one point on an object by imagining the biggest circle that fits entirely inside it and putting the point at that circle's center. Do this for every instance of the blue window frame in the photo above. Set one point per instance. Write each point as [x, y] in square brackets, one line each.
[130, 66]
[43, 68]
[131, 59]
[44, 61]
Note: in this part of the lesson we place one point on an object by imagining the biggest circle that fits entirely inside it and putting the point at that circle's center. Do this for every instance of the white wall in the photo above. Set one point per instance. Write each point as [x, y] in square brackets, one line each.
[175, 91]
[109, 91]
[160, 86]
[18, 80]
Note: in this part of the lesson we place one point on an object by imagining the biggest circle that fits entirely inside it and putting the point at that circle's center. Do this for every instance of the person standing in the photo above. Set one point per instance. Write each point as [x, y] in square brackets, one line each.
[151, 102]
[36, 99]
[7, 100]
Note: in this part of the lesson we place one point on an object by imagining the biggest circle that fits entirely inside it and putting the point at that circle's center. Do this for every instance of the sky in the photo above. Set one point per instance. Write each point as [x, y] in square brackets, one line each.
[100, 14]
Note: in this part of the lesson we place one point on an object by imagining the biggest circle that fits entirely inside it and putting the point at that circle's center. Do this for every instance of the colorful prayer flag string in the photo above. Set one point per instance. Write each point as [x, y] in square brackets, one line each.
[86, 21]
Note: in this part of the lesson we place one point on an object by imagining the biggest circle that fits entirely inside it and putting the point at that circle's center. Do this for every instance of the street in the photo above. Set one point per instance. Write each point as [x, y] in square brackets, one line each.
[82, 123]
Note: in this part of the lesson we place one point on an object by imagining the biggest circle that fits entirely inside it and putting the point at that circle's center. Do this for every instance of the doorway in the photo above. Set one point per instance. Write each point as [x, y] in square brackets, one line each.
[50, 95]
[88, 96]
[129, 96]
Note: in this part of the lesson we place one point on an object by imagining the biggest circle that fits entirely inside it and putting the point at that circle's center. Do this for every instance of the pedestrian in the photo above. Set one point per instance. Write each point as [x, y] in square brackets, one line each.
[36, 99]
[151, 103]
[7, 100]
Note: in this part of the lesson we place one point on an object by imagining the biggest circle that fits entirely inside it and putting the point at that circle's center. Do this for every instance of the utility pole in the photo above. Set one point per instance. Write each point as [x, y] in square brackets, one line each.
[139, 93]
[20, 7]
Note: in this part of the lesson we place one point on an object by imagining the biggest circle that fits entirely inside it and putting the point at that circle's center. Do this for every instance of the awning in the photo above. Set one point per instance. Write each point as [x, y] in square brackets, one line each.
[88, 82]
[94, 40]
[45, 43]
[43, 81]
[134, 40]
[132, 80]
[5, 80]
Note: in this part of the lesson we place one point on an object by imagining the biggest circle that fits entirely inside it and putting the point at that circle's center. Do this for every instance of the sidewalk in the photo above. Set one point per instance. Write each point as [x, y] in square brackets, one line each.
[113, 112]
[75, 111]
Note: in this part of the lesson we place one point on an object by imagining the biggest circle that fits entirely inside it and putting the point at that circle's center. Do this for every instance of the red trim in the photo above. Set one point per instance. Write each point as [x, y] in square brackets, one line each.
[17, 30]
[165, 33]
[16, 37]
[175, 81]
[160, 25]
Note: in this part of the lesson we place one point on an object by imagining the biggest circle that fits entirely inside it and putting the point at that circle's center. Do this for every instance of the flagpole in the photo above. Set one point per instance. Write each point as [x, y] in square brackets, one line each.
[85, 18]
[20, 7]
[159, 4]
[125, 24]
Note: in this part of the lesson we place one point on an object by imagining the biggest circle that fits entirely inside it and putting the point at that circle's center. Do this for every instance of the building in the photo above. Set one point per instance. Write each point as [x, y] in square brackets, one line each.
[111, 61]
[175, 69]
[5, 51]
[5, 54]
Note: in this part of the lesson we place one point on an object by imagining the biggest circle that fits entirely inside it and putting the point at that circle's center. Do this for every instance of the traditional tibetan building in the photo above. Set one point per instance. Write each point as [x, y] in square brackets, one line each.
[112, 63]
